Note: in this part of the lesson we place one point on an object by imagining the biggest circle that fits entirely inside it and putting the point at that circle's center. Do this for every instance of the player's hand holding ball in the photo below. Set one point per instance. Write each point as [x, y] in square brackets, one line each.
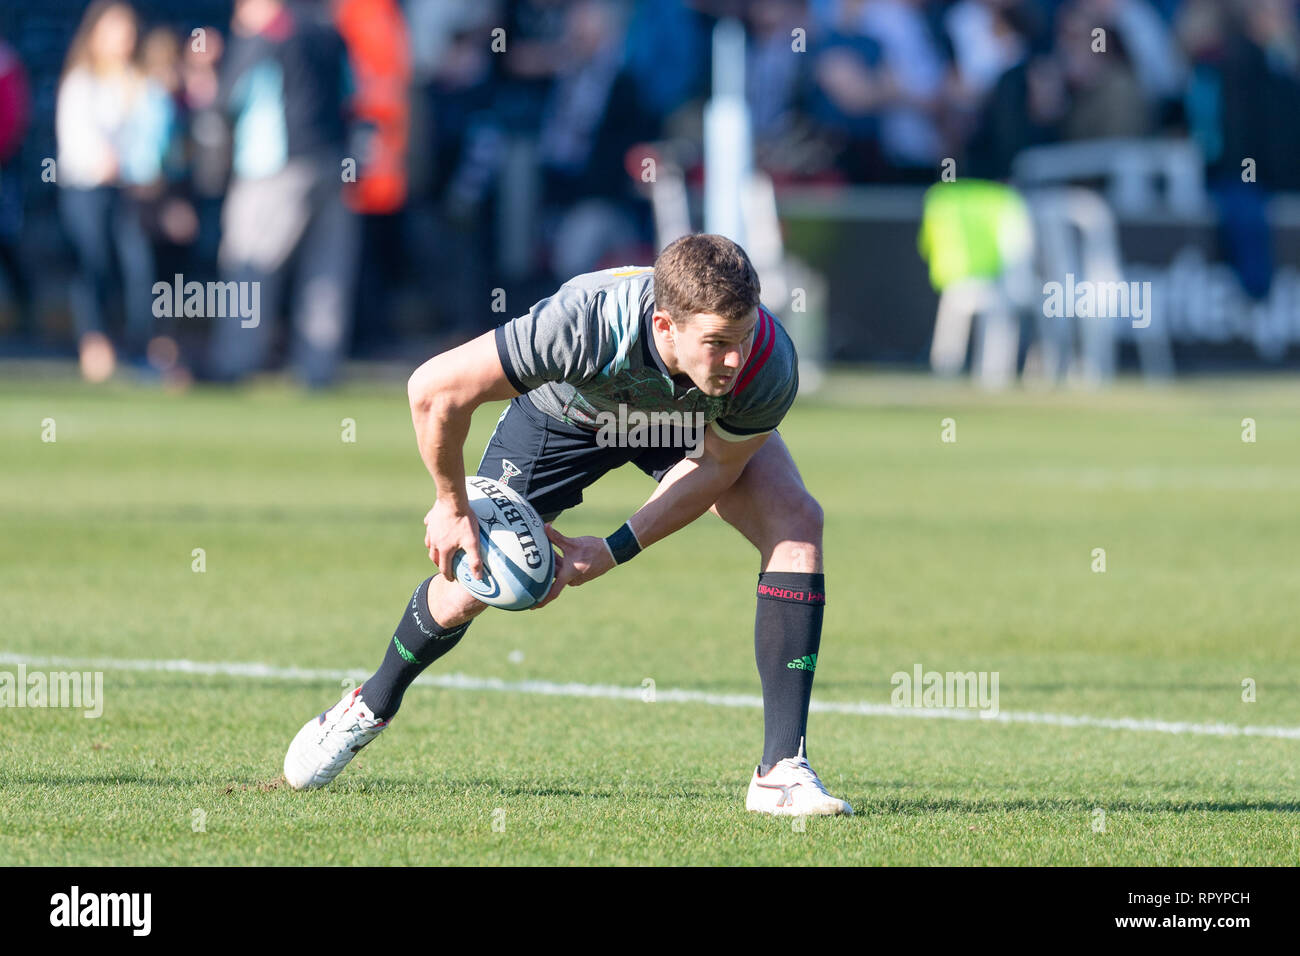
[449, 529]
[582, 560]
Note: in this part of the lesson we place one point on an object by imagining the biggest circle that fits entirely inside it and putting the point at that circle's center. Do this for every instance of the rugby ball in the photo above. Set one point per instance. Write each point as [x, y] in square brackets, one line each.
[518, 562]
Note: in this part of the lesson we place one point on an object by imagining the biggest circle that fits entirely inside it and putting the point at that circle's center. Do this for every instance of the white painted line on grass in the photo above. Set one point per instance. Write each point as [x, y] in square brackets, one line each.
[546, 688]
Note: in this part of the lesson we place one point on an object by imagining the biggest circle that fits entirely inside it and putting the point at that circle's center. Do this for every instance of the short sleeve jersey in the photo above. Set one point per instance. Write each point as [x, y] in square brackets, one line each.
[589, 348]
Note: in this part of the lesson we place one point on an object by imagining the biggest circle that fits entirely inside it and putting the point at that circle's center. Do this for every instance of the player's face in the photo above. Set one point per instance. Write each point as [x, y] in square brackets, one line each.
[712, 350]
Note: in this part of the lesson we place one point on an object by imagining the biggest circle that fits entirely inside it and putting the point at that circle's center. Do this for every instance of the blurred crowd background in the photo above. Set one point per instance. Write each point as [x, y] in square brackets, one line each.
[386, 170]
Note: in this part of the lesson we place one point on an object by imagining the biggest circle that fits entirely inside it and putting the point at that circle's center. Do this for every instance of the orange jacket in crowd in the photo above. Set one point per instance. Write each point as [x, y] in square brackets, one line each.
[376, 36]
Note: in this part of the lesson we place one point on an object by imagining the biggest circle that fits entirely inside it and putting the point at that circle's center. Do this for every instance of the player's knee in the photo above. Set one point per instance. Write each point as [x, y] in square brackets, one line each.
[793, 532]
[804, 519]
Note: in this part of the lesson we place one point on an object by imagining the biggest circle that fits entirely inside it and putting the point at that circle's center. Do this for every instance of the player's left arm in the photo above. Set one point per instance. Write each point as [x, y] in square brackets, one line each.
[687, 491]
[692, 486]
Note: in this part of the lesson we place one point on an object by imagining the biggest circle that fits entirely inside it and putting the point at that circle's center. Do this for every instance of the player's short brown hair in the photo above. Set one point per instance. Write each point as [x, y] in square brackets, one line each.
[705, 273]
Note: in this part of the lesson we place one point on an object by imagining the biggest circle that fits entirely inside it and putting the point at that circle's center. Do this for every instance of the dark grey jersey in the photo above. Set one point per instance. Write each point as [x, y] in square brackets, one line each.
[589, 348]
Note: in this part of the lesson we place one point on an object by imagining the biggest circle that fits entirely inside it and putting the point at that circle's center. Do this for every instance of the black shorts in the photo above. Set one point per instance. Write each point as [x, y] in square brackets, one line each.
[550, 462]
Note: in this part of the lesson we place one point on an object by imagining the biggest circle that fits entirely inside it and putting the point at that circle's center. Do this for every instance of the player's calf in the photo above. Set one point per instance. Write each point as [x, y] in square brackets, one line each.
[421, 637]
[450, 604]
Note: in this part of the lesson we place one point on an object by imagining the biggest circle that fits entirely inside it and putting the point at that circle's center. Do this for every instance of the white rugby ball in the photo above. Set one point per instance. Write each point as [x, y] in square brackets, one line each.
[518, 562]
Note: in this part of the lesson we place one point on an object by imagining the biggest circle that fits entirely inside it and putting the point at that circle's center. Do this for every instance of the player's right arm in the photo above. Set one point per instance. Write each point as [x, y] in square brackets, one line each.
[561, 338]
[444, 392]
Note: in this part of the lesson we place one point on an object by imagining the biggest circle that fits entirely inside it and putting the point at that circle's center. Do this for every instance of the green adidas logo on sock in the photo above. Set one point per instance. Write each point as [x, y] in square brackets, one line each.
[806, 663]
[406, 655]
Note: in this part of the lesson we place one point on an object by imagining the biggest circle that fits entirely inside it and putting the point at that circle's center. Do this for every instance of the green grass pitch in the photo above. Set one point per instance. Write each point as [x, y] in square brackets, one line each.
[973, 555]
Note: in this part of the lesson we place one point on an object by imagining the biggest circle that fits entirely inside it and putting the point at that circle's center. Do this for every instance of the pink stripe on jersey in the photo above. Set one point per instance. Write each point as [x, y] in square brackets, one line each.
[762, 350]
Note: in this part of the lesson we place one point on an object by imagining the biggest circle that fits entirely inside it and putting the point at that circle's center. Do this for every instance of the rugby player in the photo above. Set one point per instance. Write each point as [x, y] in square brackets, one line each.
[689, 337]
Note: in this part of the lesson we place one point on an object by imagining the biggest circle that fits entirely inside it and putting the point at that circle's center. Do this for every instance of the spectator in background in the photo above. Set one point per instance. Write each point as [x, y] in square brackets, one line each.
[15, 110]
[456, 147]
[590, 119]
[378, 44]
[112, 124]
[1150, 44]
[1023, 109]
[168, 214]
[454, 65]
[1203, 33]
[534, 56]
[1241, 107]
[378, 47]
[788, 144]
[166, 209]
[983, 46]
[1261, 93]
[197, 167]
[1071, 92]
[1104, 96]
[207, 137]
[845, 92]
[985, 43]
[771, 70]
[914, 60]
[667, 55]
[284, 224]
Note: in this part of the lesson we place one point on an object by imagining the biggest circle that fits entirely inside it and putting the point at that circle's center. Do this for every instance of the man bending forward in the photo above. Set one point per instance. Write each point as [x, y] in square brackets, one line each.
[685, 342]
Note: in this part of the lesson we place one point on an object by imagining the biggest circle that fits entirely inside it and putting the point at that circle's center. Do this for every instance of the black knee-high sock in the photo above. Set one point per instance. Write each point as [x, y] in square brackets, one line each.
[787, 635]
[418, 641]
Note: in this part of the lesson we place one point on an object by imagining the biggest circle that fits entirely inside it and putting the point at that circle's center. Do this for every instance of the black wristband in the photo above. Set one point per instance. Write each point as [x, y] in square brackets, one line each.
[623, 544]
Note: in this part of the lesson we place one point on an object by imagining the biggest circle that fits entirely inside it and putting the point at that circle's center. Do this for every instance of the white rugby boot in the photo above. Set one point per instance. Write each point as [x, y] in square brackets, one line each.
[327, 743]
[792, 789]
